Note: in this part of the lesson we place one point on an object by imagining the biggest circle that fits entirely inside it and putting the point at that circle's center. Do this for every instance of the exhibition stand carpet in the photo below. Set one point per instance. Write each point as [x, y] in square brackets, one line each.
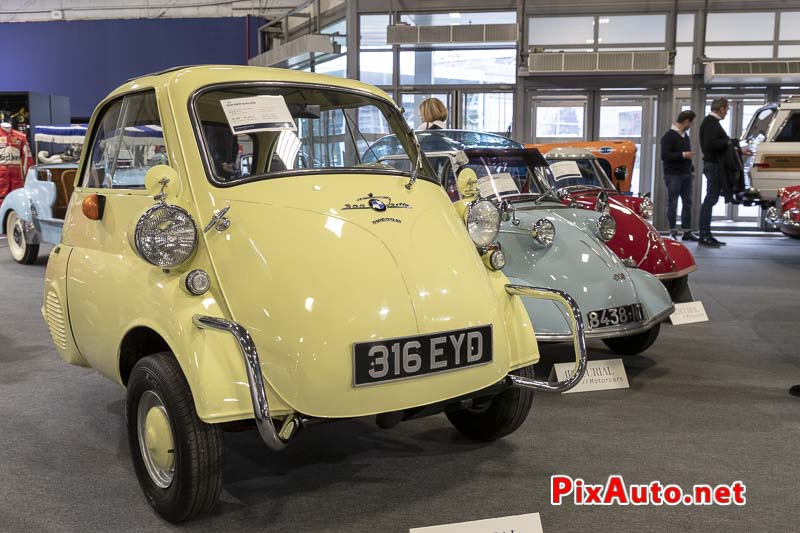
[708, 403]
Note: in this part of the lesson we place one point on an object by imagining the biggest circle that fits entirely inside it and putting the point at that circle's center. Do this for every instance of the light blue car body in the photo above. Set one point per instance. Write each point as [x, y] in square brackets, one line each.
[578, 262]
[33, 204]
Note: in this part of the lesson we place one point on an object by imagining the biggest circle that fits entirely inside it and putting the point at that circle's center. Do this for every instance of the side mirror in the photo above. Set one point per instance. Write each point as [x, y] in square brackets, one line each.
[162, 182]
[620, 173]
[467, 183]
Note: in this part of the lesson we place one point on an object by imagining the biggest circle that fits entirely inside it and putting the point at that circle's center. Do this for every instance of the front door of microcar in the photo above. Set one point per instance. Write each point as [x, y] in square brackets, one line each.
[318, 252]
[106, 278]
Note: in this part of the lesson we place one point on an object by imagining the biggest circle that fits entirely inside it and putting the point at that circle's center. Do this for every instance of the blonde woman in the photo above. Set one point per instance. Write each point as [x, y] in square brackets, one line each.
[433, 113]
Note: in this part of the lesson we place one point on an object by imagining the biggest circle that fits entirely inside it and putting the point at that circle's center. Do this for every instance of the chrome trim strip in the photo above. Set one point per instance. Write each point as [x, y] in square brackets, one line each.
[677, 274]
[578, 337]
[258, 395]
[617, 331]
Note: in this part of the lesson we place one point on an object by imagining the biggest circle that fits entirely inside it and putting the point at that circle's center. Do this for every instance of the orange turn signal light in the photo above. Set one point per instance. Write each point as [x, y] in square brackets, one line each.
[92, 206]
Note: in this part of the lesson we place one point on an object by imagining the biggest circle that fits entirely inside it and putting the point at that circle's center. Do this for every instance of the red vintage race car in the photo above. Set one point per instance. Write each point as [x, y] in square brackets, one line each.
[785, 215]
[578, 178]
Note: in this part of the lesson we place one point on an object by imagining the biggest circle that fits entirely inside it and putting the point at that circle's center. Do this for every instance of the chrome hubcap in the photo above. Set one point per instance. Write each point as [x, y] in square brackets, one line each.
[155, 439]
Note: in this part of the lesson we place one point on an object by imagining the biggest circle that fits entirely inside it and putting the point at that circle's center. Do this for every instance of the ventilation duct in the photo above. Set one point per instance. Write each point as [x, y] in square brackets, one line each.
[306, 44]
[643, 62]
[753, 72]
[464, 33]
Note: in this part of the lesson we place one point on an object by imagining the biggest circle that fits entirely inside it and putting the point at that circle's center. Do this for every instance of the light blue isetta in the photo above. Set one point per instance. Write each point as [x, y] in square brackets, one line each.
[546, 243]
[34, 214]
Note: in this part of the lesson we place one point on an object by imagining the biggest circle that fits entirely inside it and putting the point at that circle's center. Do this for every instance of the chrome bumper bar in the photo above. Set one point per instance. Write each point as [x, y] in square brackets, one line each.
[612, 331]
[273, 438]
[578, 337]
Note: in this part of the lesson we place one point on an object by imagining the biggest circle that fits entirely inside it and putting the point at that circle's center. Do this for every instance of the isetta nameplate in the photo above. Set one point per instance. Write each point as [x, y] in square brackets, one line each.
[600, 375]
[523, 523]
[687, 313]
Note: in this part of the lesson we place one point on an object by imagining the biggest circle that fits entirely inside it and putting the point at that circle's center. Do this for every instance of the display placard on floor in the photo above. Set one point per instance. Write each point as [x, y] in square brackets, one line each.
[688, 312]
[600, 375]
[522, 523]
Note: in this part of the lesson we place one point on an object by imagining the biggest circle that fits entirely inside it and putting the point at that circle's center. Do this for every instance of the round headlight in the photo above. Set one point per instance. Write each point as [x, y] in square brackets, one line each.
[483, 222]
[544, 232]
[165, 236]
[646, 208]
[606, 227]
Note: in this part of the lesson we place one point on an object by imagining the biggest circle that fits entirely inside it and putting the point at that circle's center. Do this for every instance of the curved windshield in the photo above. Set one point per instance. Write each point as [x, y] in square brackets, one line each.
[507, 175]
[263, 131]
[577, 174]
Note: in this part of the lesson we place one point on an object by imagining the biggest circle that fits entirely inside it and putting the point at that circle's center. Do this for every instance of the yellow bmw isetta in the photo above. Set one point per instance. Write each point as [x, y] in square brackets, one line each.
[228, 258]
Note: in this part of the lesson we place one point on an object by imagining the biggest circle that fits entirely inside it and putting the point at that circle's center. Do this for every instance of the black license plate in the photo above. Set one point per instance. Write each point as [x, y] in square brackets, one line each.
[408, 357]
[615, 316]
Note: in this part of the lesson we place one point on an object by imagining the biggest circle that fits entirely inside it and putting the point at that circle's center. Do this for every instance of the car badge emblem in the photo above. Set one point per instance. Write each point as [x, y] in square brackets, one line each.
[606, 150]
[377, 205]
[619, 276]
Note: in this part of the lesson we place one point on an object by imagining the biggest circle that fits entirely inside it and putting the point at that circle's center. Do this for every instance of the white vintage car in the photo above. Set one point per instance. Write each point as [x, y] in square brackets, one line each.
[774, 137]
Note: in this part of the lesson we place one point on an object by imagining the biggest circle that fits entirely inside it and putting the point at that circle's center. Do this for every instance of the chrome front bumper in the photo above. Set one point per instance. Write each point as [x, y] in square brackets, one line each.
[277, 439]
[775, 217]
[578, 337]
[272, 437]
[610, 332]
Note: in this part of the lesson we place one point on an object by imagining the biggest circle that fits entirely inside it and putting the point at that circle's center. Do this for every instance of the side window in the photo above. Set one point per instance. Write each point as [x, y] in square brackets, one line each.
[790, 130]
[129, 141]
[760, 124]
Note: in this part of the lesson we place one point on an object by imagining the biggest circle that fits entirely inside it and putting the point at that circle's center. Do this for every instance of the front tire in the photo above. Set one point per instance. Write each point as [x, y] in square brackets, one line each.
[177, 457]
[503, 415]
[634, 344]
[21, 250]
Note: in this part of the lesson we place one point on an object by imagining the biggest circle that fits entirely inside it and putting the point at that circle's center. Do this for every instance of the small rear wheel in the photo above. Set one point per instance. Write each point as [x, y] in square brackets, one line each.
[497, 417]
[634, 344]
[177, 457]
[21, 250]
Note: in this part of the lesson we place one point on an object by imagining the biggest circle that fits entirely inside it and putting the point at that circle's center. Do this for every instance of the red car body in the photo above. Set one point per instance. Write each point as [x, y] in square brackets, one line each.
[636, 241]
[786, 213]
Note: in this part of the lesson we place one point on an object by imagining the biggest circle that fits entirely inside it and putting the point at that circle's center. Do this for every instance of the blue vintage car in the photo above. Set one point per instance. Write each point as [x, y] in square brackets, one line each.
[34, 214]
[548, 244]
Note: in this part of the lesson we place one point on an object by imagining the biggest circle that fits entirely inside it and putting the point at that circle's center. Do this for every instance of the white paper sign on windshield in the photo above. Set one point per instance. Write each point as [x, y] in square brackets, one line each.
[258, 113]
[565, 169]
[497, 185]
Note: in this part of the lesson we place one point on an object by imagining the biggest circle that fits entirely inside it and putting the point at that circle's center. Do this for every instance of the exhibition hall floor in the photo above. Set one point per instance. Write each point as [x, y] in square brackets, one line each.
[708, 404]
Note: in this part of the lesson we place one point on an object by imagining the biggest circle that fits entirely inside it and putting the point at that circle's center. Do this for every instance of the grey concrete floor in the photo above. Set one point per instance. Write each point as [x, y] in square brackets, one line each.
[708, 403]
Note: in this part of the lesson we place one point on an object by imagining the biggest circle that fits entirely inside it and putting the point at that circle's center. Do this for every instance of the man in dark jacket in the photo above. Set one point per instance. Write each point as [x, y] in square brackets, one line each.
[714, 142]
[676, 154]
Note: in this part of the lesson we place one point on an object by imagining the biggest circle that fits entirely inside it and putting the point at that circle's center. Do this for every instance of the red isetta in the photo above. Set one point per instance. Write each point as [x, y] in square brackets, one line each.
[579, 179]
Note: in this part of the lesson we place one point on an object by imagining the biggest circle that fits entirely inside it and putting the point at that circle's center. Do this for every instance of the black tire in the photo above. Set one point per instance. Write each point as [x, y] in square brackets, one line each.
[790, 235]
[503, 415]
[21, 250]
[634, 344]
[198, 451]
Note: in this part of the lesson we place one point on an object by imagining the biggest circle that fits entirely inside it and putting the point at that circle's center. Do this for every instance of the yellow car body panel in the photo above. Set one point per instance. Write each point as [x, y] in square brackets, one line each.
[305, 276]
